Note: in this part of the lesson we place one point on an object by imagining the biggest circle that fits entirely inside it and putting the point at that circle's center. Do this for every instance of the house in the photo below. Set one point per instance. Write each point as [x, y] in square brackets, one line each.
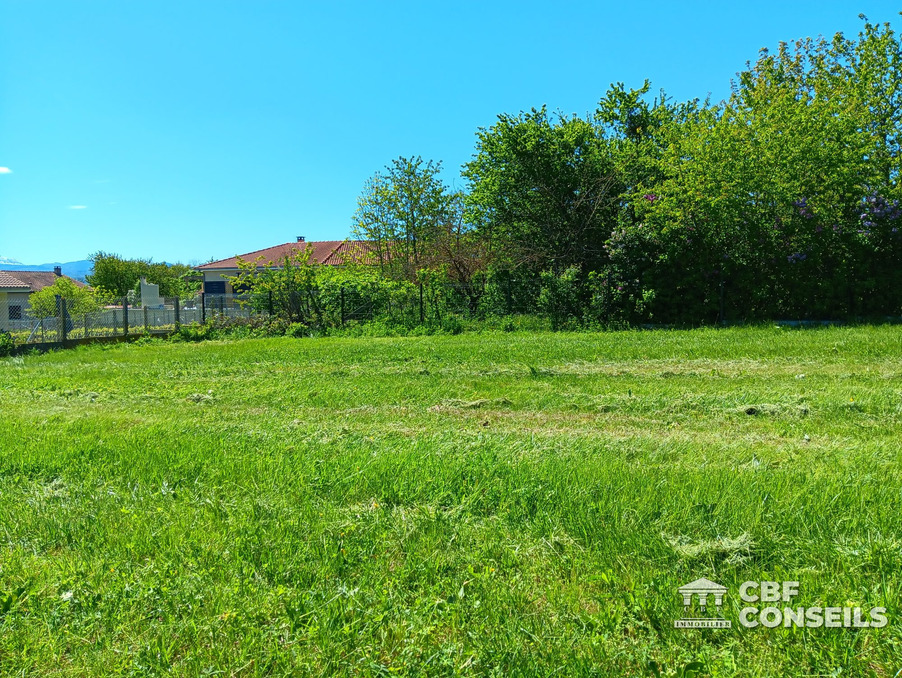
[16, 287]
[324, 252]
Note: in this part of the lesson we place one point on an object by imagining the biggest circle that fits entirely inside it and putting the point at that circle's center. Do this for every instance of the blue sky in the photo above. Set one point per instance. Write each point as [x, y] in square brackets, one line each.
[193, 129]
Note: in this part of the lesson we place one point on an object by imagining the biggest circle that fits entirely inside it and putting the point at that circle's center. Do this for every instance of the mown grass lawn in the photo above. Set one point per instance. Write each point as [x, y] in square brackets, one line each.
[498, 504]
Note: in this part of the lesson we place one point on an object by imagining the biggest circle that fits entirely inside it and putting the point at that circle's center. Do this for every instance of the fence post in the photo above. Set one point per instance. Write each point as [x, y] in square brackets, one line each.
[722, 319]
[342, 305]
[422, 311]
[507, 294]
[178, 316]
[61, 305]
[145, 320]
[86, 325]
[124, 316]
[203, 308]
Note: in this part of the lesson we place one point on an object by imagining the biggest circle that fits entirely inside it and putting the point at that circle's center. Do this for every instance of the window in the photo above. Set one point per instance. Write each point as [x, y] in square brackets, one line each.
[15, 312]
[214, 287]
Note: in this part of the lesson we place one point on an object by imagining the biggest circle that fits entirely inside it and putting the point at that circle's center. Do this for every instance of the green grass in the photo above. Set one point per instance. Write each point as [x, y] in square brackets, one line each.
[497, 504]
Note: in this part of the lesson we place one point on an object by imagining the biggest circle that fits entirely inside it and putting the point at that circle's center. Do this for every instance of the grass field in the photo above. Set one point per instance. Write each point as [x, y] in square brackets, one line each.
[497, 504]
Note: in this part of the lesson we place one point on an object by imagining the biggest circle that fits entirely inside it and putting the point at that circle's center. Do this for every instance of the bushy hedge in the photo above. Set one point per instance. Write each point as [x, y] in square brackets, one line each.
[6, 344]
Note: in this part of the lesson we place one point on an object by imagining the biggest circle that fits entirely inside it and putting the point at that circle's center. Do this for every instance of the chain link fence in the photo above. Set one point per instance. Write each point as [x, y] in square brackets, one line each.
[70, 323]
[406, 304]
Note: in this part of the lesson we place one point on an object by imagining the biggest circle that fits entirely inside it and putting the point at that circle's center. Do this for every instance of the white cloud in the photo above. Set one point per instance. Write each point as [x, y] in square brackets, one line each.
[5, 170]
[78, 207]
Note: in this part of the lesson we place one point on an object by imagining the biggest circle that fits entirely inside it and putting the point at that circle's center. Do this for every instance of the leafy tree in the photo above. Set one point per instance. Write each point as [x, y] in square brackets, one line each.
[175, 280]
[763, 204]
[401, 212]
[79, 300]
[637, 131]
[289, 289]
[543, 192]
[783, 200]
[114, 277]
[460, 252]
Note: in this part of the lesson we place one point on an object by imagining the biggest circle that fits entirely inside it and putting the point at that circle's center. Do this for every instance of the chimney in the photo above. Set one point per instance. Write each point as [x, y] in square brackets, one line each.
[57, 271]
[301, 238]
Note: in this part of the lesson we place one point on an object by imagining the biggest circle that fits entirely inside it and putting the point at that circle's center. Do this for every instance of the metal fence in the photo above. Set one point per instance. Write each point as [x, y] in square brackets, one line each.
[404, 305]
[71, 323]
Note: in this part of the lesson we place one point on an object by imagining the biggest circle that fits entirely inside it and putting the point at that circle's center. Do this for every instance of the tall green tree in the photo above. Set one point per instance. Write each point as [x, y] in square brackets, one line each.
[543, 190]
[780, 200]
[401, 212]
[79, 300]
[114, 276]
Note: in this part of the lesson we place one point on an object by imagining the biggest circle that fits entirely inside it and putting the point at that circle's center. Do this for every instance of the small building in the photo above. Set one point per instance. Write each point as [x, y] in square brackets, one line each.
[13, 298]
[324, 252]
[15, 289]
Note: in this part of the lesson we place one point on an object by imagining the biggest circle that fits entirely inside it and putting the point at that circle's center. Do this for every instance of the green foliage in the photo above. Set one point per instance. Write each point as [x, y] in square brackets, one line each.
[114, 277]
[194, 332]
[79, 300]
[6, 344]
[241, 327]
[509, 292]
[362, 293]
[562, 297]
[781, 201]
[305, 293]
[543, 191]
[772, 195]
[288, 290]
[402, 213]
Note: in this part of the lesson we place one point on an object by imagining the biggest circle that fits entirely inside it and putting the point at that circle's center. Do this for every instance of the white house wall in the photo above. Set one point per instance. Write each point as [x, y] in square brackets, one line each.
[7, 299]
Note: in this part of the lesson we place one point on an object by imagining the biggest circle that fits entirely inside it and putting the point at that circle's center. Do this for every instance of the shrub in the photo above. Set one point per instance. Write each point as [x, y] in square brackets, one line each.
[561, 297]
[193, 332]
[296, 330]
[6, 344]
[452, 325]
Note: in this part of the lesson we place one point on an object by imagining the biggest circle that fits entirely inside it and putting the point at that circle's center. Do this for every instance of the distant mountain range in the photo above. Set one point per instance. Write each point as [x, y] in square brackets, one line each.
[73, 269]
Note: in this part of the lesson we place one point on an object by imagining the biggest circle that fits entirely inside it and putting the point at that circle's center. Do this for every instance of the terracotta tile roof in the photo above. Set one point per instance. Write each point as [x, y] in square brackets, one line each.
[34, 280]
[8, 280]
[326, 252]
[350, 251]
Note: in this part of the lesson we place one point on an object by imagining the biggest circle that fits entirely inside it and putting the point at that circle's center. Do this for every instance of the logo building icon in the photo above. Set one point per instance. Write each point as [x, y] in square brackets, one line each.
[707, 592]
